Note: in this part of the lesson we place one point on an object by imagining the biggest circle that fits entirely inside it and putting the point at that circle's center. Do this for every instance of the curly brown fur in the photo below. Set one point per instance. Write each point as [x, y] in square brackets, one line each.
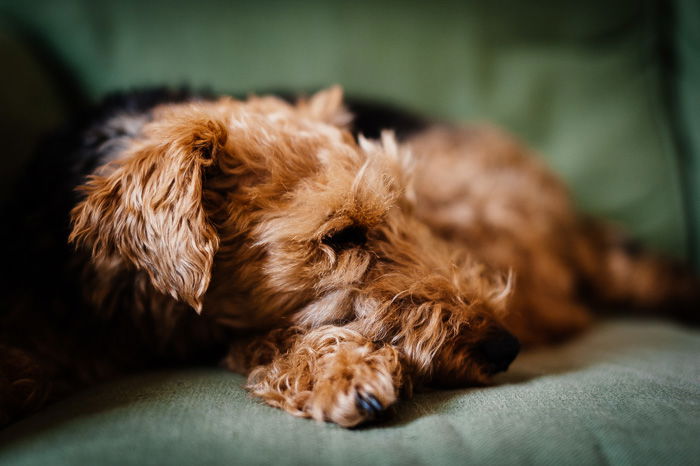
[339, 271]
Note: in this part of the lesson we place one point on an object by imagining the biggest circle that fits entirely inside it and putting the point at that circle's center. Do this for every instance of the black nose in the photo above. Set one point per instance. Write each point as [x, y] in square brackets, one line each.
[499, 350]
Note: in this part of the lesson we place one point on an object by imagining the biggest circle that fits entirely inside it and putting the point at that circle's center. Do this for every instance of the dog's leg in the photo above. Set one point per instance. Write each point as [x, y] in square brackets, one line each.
[27, 383]
[329, 373]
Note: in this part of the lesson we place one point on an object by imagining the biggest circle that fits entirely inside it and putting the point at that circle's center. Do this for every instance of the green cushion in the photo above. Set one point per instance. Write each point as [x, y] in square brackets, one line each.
[578, 80]
[625, 393]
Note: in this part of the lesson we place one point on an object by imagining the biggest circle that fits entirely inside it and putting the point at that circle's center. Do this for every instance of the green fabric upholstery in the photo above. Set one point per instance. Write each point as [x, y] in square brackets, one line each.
[685, 88]
[626, 393]
[30, 105]
[580, 81]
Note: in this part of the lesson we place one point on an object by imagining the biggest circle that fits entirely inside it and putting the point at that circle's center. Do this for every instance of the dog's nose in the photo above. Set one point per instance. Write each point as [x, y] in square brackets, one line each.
[499, 350]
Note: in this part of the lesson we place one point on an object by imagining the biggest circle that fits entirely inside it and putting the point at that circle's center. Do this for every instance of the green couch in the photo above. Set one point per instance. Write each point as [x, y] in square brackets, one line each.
[607, 91]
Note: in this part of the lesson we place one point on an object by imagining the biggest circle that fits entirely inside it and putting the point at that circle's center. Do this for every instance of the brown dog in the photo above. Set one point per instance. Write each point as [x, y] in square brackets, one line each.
[337, 270]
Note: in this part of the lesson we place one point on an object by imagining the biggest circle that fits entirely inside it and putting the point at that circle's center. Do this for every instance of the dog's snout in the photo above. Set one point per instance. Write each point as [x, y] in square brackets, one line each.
[499, 350]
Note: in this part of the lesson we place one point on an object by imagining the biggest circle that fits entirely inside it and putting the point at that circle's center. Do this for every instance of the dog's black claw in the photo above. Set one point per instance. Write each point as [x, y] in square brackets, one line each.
[375, 403]
[369, 404]
[362, 404]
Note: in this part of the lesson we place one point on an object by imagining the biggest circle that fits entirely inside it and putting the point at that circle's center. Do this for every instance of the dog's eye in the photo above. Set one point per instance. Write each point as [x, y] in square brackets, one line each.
[347, 238]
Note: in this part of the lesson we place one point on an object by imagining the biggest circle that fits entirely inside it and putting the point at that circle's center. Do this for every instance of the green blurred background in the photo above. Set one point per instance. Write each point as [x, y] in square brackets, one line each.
[606, 90]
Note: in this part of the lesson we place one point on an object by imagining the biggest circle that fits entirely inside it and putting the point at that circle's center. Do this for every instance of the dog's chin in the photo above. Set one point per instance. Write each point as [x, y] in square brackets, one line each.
[464, 377]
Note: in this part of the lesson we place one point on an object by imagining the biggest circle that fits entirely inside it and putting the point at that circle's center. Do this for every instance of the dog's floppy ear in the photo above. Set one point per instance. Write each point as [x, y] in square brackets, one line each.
[327, 106]
[147, 207]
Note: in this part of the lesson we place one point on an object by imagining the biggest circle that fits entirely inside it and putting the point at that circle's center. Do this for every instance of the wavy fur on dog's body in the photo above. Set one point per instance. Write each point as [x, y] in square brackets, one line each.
[336, 270]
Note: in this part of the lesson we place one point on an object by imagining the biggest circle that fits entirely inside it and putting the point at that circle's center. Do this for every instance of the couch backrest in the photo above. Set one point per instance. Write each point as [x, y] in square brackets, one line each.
[580, 81]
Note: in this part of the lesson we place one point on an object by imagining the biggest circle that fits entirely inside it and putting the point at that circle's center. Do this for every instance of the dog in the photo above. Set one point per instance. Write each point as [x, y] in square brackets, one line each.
[336, 262]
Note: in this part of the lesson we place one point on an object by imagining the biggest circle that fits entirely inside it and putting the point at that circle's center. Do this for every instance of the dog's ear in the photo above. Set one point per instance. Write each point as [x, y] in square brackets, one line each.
[327, 106]
[147, 207]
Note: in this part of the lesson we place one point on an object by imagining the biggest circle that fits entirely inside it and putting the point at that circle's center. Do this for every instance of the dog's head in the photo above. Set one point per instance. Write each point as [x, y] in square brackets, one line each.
[259, 212]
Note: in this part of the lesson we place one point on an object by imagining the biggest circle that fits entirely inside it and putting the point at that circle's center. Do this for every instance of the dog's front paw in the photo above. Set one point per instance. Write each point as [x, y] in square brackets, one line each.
[341, 379]
[354, 385]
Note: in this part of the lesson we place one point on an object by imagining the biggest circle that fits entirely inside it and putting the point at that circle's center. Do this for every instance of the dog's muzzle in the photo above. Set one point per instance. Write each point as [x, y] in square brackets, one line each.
[498, 350]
